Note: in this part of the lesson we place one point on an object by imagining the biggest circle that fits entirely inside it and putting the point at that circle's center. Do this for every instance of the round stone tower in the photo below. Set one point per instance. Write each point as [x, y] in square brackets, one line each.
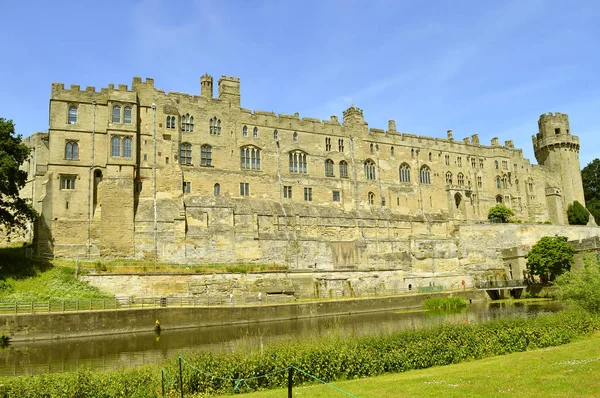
[556, 149]
[206, 86]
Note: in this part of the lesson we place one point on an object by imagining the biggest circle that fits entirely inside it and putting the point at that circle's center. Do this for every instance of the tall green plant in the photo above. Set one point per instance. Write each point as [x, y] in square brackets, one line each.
[500, 212]
[582, 286]
[577, 214]
[550, 257]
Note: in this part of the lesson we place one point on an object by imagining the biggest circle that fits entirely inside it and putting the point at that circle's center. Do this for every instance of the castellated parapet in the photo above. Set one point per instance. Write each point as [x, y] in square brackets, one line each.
[240, 185]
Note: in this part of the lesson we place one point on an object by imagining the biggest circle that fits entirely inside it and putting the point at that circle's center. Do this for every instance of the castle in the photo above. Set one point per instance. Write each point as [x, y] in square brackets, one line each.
[141, 173]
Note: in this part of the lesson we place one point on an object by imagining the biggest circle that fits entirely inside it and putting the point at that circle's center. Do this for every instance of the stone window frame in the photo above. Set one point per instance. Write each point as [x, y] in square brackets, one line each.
[496, 164]
[217, 189]
[72, 149]
[245, 131]
[473, 162]
[115, 117]
[298, 162]
[72, 118]
[499, 199]
[370, 170]
[187, 123]
[392, 150]
[308, 194]
[371, 198]
[187, 187]
[255, 132]
[459, 161]
[448, 178]
[127, 119]
[115, 146]
[328, 144]
[343, 169]
[287, 192]
[171, 122]
[329, 168]
[460, 179]
[275, 135]
[185, 153]
[498, 182]
[336, 196]
[404, 173]
[341, 145]
[214, 126]
[127, 147]
[250, 157]
[425, 175]
[206, 155]
[67, 182]
[244, 189]
[371, 148]
[479, 182]
[447, 160]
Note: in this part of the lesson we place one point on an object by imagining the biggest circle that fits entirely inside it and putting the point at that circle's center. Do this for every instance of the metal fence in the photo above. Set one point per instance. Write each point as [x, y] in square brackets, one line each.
[138, 303]
[501, 284]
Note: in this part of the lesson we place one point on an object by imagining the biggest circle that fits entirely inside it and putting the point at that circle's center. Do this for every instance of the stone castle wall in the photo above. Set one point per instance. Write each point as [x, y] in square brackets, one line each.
[321, 194]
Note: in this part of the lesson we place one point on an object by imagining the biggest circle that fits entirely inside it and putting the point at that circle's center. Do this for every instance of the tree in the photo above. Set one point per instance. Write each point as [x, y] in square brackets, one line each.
[577, 214]
[550, 257]
[590, 176]
[502, 212]
[14, 211]
[582, 286]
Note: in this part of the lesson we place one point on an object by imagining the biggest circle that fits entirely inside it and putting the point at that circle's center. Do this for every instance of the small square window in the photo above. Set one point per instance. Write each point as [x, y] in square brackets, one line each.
[336, 196]
[187, 187]
[287, 192]
[308, 194]
[67, 182]
[244, 189]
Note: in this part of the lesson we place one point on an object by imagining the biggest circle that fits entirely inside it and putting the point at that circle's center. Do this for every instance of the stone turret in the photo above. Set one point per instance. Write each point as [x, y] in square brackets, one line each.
[206, 86]
[558, 150]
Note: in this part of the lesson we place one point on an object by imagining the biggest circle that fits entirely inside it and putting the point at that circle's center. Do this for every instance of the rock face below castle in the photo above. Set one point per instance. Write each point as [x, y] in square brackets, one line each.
[140, 173]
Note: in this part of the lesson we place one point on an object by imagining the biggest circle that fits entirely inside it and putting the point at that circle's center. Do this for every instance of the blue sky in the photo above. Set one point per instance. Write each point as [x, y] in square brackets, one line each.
[485, 67]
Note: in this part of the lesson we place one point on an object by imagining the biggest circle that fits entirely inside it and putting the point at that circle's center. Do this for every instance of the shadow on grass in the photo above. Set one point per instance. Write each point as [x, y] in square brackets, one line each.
[15, 264]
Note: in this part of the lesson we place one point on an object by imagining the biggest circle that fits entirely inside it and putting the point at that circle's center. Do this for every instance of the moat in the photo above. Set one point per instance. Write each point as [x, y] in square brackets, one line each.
[134, 349]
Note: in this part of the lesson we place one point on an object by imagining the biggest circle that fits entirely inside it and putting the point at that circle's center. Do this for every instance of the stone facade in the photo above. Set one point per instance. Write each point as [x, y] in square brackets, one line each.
[137, 172]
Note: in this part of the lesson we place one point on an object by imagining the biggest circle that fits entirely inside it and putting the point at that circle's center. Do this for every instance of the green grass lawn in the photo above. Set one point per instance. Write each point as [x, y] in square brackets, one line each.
[24, 280]
[571, 370]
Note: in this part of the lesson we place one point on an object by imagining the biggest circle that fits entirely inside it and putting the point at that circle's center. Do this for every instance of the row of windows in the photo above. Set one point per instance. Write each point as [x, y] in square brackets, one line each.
[118, 113]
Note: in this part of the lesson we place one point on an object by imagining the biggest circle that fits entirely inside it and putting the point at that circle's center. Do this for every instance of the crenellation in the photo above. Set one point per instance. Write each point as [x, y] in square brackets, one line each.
[75, 87]
[90, 89]
[495, 141]
[475, 139]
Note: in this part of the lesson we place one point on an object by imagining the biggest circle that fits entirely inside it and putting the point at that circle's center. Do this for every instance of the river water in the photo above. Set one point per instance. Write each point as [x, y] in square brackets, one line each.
[134, 349]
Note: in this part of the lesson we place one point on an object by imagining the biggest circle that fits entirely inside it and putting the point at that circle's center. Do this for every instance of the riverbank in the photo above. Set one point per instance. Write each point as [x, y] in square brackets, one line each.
[330, 358]
[22, 327]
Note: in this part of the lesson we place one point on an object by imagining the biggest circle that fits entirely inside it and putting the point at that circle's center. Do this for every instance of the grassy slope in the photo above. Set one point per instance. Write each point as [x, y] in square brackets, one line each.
[24, 280]
[566, 371]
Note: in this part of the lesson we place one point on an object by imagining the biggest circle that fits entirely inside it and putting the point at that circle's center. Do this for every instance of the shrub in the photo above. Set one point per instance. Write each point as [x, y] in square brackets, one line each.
[445, 303]
[550, 257]
[577, 214]
[500, 212]
[582, 286]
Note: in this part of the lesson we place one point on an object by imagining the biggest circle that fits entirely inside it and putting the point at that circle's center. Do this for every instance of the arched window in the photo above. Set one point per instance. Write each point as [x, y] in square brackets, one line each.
[371, 198]
[457, 199]
[371, 148]
[517, 184]
[250, 158]
[219, 127]
[183, 122]
[329, 168]
[412, 153]
[191, 126]
[127, 119]
[205, 155]
[449, 178]
[295, 137]
[404, 172]
[72, 150]
[255, 132]
[392, 151]
[495, 164]
[116, 114]
[369, 169]
[275, 135]
[504, 182]
[245, 131]
[298, 162]
[343, 169]
[424, 175]
[217, 189]
[115, 146]
[169, 122]
[461, 179]
[215, 126]
[498, 198]
[430, 156]
[72, 114]
[447, 160]
[185, 153]
[498, 183]
[127, 147]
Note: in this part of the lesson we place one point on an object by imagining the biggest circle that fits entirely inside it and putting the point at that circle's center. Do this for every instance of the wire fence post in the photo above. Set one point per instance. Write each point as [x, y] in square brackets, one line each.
[290, 374]
[180, 378]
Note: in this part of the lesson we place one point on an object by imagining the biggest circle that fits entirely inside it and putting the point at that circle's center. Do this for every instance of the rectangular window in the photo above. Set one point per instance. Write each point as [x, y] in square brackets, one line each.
[341, 145]
[459, 160]
[67, 182]
[187, 187]
[308, 194]
[504, 165]
[336, 196]
[287, 192]
[481, 163]
[244, 189]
